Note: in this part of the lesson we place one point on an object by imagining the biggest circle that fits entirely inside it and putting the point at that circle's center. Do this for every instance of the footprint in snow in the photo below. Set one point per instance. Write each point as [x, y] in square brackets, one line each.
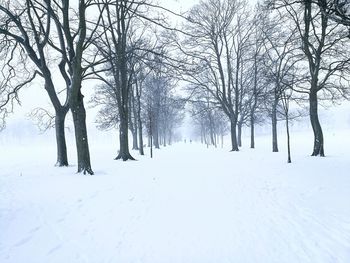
[35, 229]
[61, 220]
[94, 195]
[54, 249]
[23, 241]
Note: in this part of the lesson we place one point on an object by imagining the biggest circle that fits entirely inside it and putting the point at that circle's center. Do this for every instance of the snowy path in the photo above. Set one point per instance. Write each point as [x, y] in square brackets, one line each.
[189, 204]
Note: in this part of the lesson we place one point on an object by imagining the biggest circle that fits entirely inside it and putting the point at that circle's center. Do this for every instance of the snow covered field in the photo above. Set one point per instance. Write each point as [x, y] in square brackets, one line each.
[189, 204]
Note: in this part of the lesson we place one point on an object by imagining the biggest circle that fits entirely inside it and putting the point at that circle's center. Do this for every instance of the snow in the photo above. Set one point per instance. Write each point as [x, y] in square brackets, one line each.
[187, 204]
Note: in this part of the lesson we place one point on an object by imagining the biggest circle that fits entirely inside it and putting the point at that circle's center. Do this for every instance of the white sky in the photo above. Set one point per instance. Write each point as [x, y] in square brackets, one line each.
[185, 5]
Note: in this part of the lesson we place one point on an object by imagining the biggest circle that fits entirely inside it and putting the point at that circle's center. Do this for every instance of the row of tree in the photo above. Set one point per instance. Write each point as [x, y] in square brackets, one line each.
[239, 64]
[251, 66]
[111, 41]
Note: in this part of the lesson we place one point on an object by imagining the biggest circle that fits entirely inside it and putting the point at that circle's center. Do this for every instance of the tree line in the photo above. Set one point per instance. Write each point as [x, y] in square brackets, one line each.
[273, 61]
[240, 65]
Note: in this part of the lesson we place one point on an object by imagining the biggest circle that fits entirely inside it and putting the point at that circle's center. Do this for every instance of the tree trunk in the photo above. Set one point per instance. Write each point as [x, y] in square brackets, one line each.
[133, 125]
[252, 131]
[239, 126]
[133, 133]
[164, 136]
[151, 143]
[155, 136]
[202, 134]
[135, 145]
[274, 128]
[140, 136]
[124, 153]
[316, 126]
[138, 117]
[76, 98]
[81, 139]
[170, 138]
[288, 138]
[212, 140]
[150, 137]
[255, 103]
[211, 130]
[60, 117]
[233, 123]
[149, 140]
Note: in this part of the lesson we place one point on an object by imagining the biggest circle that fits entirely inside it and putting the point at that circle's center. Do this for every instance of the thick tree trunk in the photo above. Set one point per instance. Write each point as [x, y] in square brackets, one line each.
[239, 126]
[81, 139]
[60, 116]
[318, 149]
[274, 128]
[252, 131]
[234, 143]
[62, 159]
[76, 99]
[135, 145]
[124, 153]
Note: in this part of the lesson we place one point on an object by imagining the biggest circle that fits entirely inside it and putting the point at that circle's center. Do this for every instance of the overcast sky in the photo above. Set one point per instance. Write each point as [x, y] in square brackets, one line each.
[184, 5]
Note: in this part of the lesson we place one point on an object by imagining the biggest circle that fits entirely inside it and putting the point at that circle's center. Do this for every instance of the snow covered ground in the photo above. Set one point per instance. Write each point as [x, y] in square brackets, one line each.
[189, 204]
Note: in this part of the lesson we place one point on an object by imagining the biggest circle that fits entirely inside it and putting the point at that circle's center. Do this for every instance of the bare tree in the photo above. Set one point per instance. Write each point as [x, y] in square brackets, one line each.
[256, 93]
[325, 47]
[209, 119]
[280, 58]
[141, 74]
[72, 40]
[15, 76]
[337, 10]
[26, 27]
[214, 51]
[47, 29]
[115, 46]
